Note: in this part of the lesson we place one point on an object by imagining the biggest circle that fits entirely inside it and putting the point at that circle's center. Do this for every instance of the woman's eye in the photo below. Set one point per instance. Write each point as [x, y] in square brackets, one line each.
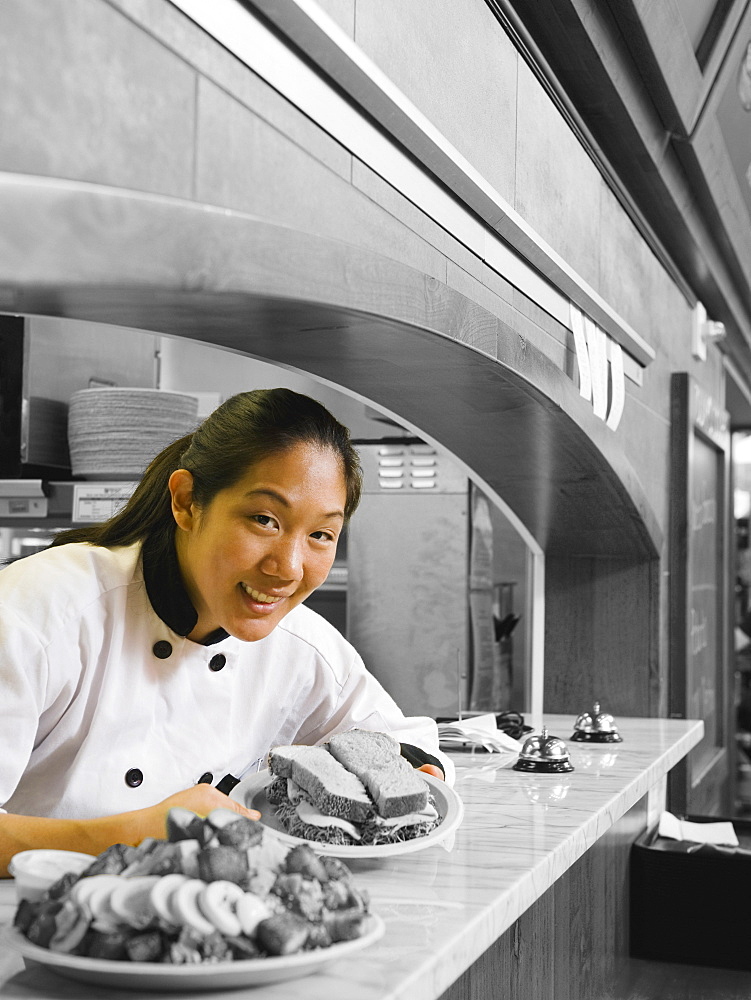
[323, 536]
[264, 520]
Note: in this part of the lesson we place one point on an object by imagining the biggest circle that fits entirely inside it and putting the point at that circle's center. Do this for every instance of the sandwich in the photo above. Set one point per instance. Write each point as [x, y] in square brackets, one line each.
[356, 789]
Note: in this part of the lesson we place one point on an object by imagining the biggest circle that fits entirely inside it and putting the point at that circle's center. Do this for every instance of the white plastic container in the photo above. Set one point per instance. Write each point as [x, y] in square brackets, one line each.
[35, 871]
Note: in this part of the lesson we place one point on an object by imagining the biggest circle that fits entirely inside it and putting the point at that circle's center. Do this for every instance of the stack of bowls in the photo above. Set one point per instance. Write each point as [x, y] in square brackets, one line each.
[113, 433]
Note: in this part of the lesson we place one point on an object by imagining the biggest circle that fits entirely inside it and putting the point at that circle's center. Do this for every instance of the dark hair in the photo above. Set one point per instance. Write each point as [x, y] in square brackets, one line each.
[243, 430]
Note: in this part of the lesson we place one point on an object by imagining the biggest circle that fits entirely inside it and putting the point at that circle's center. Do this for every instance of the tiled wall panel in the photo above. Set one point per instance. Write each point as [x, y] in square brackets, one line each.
[459, 70]
[90, 96]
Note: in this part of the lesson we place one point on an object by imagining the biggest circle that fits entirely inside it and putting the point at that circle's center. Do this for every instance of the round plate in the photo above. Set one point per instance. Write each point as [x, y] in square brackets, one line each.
[251, 793]
[188, 978]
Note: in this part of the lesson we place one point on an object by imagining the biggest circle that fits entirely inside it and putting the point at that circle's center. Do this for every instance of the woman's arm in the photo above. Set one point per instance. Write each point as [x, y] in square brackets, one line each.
[92, 836]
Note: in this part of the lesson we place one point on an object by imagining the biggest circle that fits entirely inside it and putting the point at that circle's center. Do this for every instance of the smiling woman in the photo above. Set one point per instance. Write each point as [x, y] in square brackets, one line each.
[150, 658]
[265, 544]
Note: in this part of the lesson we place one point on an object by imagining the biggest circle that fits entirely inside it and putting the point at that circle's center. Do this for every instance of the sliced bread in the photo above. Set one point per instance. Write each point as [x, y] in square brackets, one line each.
[331, 787]
[396, 788]
[360, 748]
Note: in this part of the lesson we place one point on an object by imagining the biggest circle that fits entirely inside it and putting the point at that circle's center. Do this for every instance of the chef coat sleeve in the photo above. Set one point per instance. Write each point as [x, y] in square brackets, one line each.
[23, 681]
[417, 757]
[363, 703]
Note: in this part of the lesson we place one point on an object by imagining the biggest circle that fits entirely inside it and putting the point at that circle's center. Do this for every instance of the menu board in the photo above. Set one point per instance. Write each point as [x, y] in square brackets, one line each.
[699, 685]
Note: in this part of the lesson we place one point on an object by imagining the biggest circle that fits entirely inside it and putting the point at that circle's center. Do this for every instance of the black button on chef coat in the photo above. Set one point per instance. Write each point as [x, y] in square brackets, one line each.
[162, 649]
[134, 777]
[217, 662]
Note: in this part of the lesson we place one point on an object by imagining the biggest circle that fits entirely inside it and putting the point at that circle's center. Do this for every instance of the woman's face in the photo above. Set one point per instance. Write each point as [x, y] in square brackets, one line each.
[263, 545]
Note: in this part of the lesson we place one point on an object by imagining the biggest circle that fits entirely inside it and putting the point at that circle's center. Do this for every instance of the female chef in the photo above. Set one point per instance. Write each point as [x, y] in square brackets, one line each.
[147, 660]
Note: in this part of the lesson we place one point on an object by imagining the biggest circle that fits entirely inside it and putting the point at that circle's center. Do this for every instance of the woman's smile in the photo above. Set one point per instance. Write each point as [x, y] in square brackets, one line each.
[260, 603]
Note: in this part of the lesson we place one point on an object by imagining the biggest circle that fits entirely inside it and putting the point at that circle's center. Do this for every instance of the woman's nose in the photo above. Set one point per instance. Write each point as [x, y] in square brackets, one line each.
[284, 560]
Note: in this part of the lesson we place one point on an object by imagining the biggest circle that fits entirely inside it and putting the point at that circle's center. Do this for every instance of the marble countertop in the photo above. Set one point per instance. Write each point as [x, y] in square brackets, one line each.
[443, 908]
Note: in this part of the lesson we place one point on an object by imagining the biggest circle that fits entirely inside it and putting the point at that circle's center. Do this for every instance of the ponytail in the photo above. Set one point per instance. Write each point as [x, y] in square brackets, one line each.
[147, 513]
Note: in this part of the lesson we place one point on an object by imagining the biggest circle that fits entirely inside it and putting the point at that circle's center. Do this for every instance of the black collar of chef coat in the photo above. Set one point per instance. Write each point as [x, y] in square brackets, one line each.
[167, 593]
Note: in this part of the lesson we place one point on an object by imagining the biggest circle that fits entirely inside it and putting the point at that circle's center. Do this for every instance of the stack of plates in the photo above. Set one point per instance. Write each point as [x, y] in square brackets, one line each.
[114, 433]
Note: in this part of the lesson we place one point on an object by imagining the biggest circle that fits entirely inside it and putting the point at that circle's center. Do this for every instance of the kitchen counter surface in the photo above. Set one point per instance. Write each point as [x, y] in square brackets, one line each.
[442, 908]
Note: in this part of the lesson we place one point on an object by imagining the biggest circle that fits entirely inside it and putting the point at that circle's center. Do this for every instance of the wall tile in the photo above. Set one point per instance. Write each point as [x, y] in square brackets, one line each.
[468, 91]
[557, 185]
[628, 268]
[92, 97]
[199, 50]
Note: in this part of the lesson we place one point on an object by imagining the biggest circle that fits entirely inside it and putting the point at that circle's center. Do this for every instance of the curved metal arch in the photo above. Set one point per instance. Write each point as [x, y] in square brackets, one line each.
[371, 325]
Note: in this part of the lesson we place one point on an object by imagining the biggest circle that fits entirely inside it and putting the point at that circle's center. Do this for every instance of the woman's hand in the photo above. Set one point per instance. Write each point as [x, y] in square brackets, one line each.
[437, 772]
[201, 799]
[92, 836]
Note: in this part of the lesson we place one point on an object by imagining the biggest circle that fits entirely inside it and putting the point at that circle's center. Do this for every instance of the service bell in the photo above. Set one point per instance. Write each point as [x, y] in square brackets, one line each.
[596, 727]
[544, 754]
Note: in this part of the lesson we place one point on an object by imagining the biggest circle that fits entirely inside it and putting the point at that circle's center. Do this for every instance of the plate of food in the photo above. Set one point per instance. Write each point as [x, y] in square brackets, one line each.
[190, 978]
[352, 797]
[219, 904]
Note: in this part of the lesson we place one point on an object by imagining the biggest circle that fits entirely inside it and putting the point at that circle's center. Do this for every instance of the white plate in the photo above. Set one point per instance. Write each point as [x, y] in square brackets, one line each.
[187, 978]
[251, 792]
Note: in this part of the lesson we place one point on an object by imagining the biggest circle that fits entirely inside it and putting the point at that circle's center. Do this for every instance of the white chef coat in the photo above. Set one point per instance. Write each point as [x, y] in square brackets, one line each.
[94, 722]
